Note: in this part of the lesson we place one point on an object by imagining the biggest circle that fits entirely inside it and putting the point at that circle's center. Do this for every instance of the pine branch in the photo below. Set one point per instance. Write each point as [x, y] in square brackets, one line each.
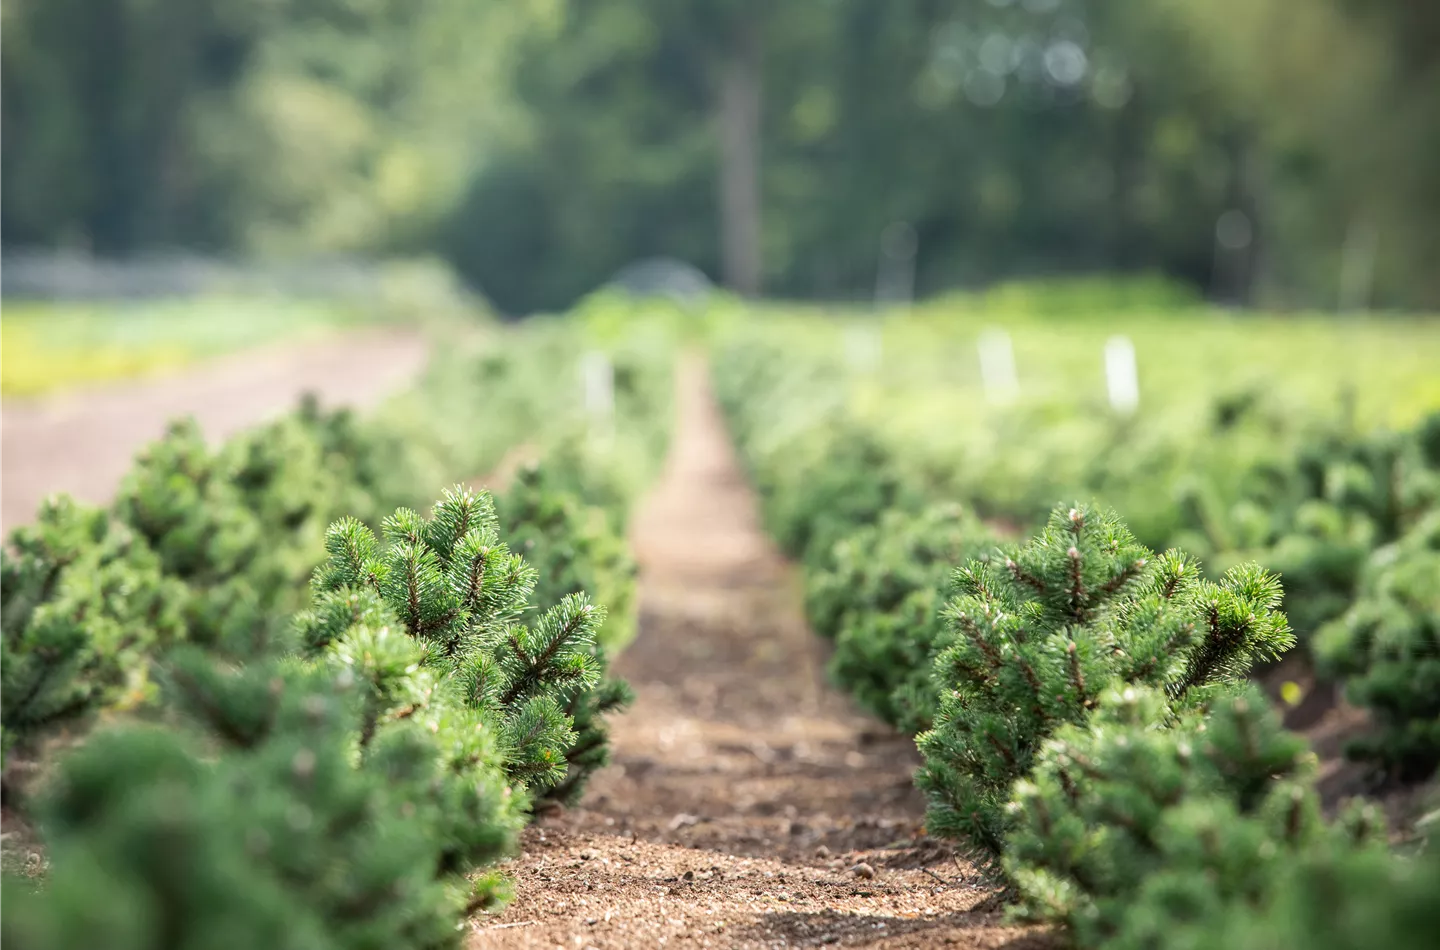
[1077, 676]
[1023, 577]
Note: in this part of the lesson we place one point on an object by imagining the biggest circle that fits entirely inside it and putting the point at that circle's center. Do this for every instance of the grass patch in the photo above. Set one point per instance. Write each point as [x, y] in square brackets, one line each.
[50, 346]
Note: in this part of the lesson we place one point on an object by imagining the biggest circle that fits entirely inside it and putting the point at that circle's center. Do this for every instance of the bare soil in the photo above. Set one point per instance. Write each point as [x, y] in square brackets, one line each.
[83, 441]
[748, 804]
[1330, 724]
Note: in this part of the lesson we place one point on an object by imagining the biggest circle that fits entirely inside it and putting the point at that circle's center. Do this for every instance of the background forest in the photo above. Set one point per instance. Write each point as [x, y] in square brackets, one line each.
[1267, 152]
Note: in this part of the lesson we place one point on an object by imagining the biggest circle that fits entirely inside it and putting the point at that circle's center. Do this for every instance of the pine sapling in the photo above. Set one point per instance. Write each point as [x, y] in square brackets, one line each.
[572, 546]
[1133, 820]
[575, 549]
[259, 820]
[1336, 899]
[880, 599]
[458, 591]
[83, 605]
[1386, 650]
[1039, 633]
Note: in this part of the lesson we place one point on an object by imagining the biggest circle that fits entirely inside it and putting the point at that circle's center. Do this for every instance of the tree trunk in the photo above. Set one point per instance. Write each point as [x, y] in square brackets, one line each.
[739, 121]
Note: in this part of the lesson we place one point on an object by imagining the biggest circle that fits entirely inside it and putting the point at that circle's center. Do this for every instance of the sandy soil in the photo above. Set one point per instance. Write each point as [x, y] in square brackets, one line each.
[749, 805]
[82, 442]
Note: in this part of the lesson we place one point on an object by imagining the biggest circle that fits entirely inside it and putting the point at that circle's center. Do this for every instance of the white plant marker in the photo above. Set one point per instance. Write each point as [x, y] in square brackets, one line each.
[997, 367]
[863, 348]
[1121, 378]
[598, 378]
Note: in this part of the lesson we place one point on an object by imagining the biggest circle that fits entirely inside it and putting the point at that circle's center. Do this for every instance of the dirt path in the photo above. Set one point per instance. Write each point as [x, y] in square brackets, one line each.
[82, 442]
[744, 788]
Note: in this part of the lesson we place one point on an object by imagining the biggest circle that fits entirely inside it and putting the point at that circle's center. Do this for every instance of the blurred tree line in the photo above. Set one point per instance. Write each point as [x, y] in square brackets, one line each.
[1270, 151]
[269, 126]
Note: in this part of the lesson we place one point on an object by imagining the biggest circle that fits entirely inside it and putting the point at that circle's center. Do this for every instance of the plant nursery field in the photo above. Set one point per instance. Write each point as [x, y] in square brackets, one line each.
[1063, 615]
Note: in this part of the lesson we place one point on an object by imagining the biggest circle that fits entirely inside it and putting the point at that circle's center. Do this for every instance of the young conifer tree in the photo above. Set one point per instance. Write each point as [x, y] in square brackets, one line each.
[83, 603]
[342, 804]
[1337, 899]
[211, 546]
[456, 588]
[1038, 634]
[575, 549]
[1386, 649]
[880, 599]
[572, 546]
[1127, 831]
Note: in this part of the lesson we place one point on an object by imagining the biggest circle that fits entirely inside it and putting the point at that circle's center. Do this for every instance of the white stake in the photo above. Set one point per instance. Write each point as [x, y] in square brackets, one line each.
[1121, 378]
[997, 367]
[862, 348]
[598, 378]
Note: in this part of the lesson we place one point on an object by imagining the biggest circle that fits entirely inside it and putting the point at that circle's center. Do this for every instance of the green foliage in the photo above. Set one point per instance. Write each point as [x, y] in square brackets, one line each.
[529, 379]
[539, 146]
[243, 525]
[1125, 166]
[862, 482]
[342, 777]
[211, 546]
[456, 588]
[1094, 740]
[1214, 464]
[575, 549]
[358, 105]
[1038, 634]
[216, 545]
[1316, 518]
[83, 604]
[259, 824]
[1134, 825]
[572, 546]
[346, 795]
[879, 598]
[1386, 649]
[590, 751]
[1345, 900]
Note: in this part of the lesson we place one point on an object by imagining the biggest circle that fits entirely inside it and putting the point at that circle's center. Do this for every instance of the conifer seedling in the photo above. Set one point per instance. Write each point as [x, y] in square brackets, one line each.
[1130, 819]
[257, 822]
[1039, 633]
[1387, 650]
[456, 588]
[83, 603]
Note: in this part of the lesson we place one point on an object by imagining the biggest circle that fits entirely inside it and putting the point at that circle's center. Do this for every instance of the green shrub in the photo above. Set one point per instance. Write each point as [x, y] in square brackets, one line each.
[83, 604]
[244, 525]
[1133, 824]
[1039, 633]
[456, 588]
[1316, 518]
[576, 549]
[1386, 649]
[527, 383]
[573, 547]
[211, 546]
[857, 481]
[343, 796]
[1336, 900]
[257, 824]
[880, 597]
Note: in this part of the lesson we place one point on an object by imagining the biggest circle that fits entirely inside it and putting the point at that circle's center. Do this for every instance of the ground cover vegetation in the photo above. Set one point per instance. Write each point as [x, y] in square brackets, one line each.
[1078, 679]
[52, 346]
[204, 725]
